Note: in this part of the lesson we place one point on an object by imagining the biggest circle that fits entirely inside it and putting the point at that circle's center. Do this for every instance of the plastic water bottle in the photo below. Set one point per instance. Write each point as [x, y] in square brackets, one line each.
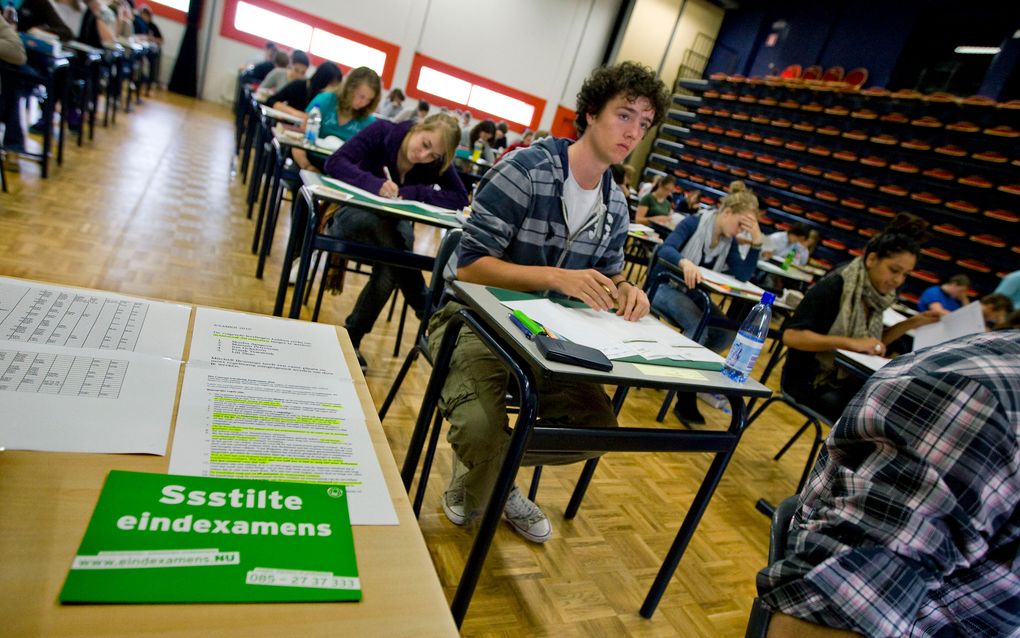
[789, 259]
[750, 340]
[476, 154]
[312, 126]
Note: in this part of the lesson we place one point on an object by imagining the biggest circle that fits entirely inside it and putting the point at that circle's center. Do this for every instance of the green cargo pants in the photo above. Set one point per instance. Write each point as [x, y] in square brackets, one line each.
[473, 400]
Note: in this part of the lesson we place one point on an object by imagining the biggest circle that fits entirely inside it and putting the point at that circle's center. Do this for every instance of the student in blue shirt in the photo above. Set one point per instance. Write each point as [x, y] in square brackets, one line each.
[946, 298]
[1010, 286]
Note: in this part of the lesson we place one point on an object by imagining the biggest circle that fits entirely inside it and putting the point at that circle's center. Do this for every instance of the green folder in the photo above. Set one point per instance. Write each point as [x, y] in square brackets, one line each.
[159, 538]
[503, 295]
[402, 206]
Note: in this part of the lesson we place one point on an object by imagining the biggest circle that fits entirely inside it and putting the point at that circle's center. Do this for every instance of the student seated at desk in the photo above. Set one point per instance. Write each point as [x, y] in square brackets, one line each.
[946, 298]
[546, 219]
[295, 68]
[910, 524]
[689, 202]
[707, 240]
[844, 310]
[416, 115]
[345, 111]
[482, 133]
[295, 95]
[995, 308]
[657, 205]
[1010, 287]
[406, 160]
[781, 243]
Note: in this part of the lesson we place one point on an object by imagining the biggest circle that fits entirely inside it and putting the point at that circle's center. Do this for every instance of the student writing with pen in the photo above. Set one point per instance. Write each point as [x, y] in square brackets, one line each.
[548, 218]
[405, 160]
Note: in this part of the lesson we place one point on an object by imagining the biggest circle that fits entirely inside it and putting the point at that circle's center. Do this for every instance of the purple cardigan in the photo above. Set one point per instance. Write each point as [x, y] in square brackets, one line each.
[361, 159]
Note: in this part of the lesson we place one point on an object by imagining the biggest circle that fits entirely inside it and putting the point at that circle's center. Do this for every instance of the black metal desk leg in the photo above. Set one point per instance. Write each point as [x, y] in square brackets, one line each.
[271, 215]
[308, 232]
[298, 220]
[697, 509]
[504, 481]
[270, 168]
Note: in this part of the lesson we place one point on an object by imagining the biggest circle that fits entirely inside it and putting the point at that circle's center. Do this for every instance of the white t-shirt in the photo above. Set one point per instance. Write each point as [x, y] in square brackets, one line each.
[580, 204]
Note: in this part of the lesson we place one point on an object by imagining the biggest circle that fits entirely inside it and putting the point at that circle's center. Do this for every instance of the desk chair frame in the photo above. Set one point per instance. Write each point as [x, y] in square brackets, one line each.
[527, 435]
[779, 532]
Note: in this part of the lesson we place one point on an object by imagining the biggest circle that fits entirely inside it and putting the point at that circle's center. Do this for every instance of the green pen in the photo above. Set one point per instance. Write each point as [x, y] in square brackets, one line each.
[528, 322]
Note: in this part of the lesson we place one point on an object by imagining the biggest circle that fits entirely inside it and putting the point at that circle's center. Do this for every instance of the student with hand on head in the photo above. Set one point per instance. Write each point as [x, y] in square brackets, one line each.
[657, 205]
[946, 298]
[546, 219]
[844, 310]
[707, 240]
[345, 110]
[406, 160]
[909, 526]
[416, 114]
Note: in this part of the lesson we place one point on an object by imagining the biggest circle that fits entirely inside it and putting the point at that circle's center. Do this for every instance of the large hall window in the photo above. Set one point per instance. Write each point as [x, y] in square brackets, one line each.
[257, 21]
[173, 9]
[449, 86]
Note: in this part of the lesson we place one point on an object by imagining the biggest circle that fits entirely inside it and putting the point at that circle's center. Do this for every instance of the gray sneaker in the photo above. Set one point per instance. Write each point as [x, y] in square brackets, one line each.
[525, 517]
[453, 497]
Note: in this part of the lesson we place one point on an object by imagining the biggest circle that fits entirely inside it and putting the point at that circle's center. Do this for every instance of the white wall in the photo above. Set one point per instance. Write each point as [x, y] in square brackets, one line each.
[541, 47]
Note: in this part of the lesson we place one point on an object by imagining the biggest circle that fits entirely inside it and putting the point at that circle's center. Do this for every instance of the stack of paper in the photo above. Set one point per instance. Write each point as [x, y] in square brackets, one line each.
[615, 337]
[728, 282]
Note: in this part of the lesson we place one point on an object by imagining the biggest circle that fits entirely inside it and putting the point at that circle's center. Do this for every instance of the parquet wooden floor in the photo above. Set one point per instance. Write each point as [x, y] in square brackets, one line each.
[151, 207]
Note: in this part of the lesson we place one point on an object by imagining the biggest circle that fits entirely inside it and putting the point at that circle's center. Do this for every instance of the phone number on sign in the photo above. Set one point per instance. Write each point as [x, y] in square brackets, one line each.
[297, 578]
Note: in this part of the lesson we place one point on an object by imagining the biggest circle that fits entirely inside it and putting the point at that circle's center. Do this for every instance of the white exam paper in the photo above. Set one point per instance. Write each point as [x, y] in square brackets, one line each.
[86, 371]
[614, 336]
[271, 399]
[965, 321]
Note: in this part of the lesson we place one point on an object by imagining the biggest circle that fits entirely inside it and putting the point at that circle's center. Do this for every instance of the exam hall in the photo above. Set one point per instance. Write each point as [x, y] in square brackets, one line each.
[886, 130]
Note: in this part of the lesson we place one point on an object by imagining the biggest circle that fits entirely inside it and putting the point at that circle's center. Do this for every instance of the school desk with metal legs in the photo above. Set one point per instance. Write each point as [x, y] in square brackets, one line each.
[488, 318]
[306, 238]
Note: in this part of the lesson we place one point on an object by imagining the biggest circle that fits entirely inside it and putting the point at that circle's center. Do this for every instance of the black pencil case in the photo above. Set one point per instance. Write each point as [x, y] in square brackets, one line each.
[573, 353]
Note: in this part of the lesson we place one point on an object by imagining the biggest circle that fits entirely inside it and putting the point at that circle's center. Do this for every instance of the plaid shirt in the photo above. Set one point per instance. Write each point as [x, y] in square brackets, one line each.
[910, 524]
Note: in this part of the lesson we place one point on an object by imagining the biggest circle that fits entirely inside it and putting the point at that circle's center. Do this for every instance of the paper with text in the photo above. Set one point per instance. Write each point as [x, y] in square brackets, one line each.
[613, 335]
[273, 399]
[87, 371]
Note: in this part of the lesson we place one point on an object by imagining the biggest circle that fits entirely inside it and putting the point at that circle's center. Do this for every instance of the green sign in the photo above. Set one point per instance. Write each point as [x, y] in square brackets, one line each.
[159, 538]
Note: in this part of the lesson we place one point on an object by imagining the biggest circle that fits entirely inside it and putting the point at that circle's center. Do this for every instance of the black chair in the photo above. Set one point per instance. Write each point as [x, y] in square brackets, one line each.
[421, 342]
[758, 622]
[814, 418]
[667, 274]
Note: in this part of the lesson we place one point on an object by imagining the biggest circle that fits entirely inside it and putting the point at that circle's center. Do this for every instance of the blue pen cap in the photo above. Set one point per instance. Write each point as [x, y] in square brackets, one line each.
[768, 298]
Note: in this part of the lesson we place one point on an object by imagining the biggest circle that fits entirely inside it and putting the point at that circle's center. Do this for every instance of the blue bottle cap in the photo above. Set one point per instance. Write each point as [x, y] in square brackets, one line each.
[768, 297]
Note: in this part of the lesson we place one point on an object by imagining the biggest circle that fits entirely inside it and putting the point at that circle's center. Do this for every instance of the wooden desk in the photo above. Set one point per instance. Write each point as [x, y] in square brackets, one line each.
[305, 238]
[46, 500]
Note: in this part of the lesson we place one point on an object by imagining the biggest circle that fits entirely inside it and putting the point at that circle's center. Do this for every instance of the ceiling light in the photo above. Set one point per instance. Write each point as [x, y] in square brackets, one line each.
[977, 50]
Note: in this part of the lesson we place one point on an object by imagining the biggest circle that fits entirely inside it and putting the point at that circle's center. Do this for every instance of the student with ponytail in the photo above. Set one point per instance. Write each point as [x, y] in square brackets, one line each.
[708, 240]
[844, 310]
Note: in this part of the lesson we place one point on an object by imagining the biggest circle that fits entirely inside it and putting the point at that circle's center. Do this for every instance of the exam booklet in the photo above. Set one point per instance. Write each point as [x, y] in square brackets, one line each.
[158, 538]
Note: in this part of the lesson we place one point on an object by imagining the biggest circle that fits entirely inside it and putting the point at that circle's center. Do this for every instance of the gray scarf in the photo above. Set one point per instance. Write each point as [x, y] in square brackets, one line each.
[697, 247]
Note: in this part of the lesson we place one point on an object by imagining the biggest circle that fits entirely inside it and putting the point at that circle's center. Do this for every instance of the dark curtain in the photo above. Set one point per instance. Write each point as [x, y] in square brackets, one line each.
[184, 79]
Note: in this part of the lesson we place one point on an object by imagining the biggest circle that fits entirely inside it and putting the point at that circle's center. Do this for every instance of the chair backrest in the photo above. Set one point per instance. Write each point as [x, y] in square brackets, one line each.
[438, 284]
[758, 622]
[697, 295]
[812, 73]
[857, 77]
[780, 529]
[791, 72]
[833, 74]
